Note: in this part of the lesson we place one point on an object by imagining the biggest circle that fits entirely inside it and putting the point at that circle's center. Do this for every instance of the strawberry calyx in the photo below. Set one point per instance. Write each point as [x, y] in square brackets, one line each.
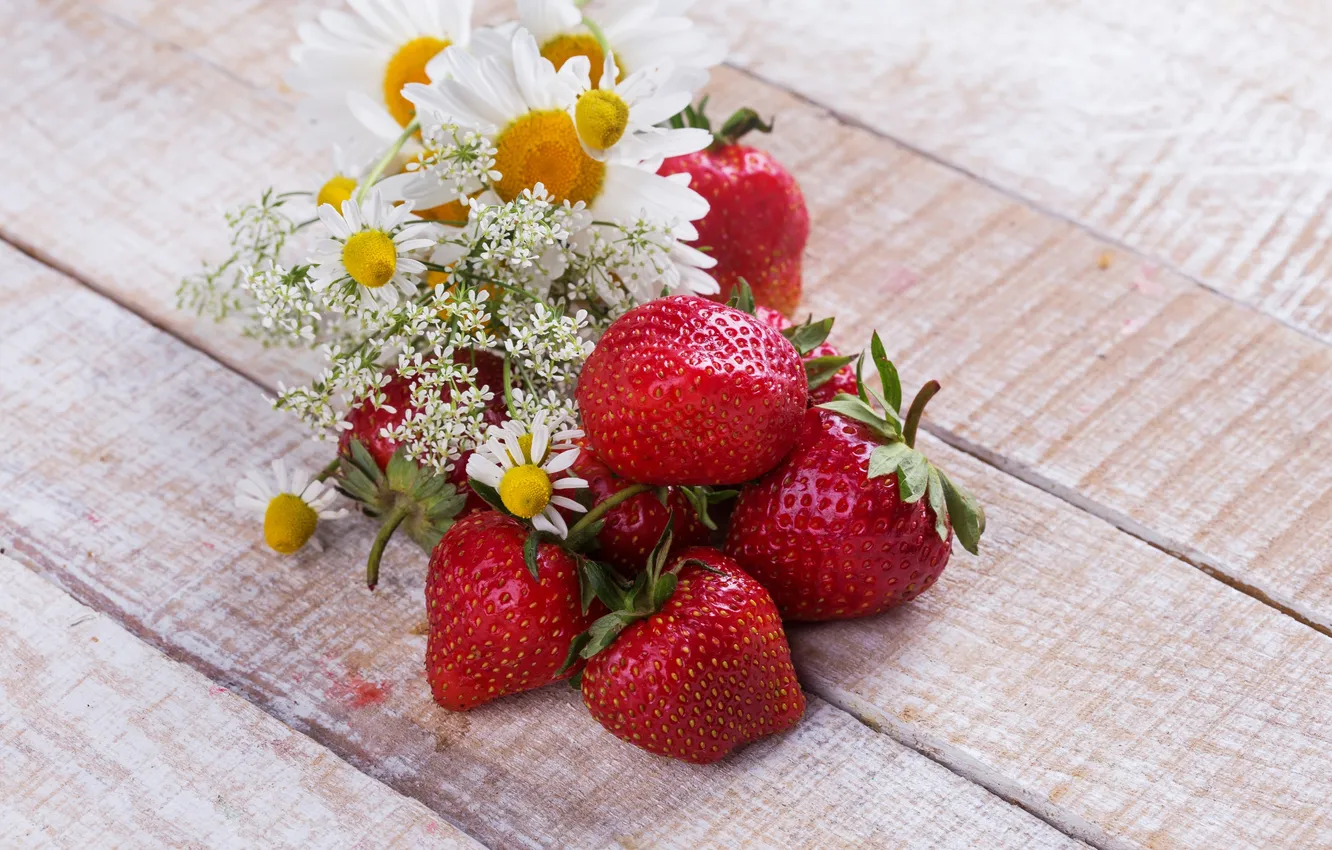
[421, 503]
[701, 498]
[917, 477]
[741, 123]
[628, 602]
[806, 338]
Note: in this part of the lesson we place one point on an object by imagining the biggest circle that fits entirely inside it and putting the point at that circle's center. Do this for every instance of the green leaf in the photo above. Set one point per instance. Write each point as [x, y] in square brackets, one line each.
[938, 503]
[361, 459]
[810, 335]
[584, 539]
[489, 494]
[854, 408]
[744, 121]
[742, 297]
[657, 560]
[697, 562]
[531, 551]
[603, 633]
[597, 580]
[913, 475]
[965, 513]
[663, 589]
[576, 681]
[885, 459]
[892, 384]
[820, 370]
[401, 472]
[860, 378]
[576, 647]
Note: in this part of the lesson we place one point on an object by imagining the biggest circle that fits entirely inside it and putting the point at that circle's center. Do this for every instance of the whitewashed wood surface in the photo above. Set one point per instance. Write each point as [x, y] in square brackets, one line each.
[1126, 697]
[105, 741]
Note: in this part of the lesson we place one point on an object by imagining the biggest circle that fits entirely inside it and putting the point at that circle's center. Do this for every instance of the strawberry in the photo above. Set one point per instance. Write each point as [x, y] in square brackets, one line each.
[854, 520]
[500, 622]
[632, 528]
[692, 662]
[368, 422]
[826, 368]
[685, 391]
[758, 224]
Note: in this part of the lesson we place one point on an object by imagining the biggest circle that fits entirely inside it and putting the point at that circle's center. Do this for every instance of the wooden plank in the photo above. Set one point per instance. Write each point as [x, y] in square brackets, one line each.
[1194, 132]
[106, 742]
[1101, 385]
[123, 446]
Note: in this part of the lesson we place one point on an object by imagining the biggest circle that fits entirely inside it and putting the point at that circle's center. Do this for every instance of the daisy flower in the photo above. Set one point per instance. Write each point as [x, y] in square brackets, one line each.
[291, 505]
[352, 67]
[621, 114]
[369, 246]
[521, 466]
[523, 107]
[641, 34]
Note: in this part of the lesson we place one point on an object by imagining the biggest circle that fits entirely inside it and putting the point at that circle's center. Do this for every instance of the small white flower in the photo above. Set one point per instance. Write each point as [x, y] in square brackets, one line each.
[520, 465]
[618, 118]
[291, 505]
[369, 245]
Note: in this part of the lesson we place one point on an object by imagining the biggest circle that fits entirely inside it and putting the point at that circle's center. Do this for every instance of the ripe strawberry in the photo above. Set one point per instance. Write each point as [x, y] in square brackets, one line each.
[693, 662]
[758, 224]
[497, 626]
[684, 391]
[635, 525]
[826, 367]
[854, 520]
[367, 421]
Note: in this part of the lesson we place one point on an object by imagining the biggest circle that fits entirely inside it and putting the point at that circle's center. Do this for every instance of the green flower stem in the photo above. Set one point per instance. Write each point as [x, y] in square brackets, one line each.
[329, 470]
[384, 161]
[436, 267]
[917, 409]
[508, 384]
[604, 507]
[391, 523]
[600, 36]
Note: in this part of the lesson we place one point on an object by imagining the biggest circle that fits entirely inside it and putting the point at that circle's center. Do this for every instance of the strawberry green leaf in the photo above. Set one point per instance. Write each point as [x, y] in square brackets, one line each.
[604, 631]
[401, 472]
[583, 539]
[596, 580]
[742, 297]
[697, 562]
[576, 681]
[892, 384]
[938, 503]
[885, 459]
[576, 647]
[860, 378]
[743, 122]
[913, 475]
[820, 370]
[531, 549]
[701, 498]
[854, 408]
[662, 590]
[656, 561]
[490, 495]
[965, 513]
[810, 335]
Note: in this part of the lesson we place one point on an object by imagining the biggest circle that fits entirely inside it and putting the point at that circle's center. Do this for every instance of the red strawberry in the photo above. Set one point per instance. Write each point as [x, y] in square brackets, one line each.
[758, 224]
[694, 663]
[494, 628]
[817, 360]
[367, 421]
[684, 391]
[854, 520]
[633, 527]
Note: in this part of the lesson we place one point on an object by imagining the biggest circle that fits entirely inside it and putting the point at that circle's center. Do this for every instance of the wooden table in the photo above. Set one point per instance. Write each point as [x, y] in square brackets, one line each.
[1103, 226]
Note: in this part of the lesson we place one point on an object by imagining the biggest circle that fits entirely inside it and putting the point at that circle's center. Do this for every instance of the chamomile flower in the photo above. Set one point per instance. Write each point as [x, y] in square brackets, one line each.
[369, 247]
[352, 67]
[621, 115]
[641, 34]
[523, 106]
[291, 504]
[522, 465]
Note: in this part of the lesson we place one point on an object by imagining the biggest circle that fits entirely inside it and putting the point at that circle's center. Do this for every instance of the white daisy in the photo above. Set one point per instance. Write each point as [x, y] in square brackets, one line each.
[521, 466]
[561, 440]
[641, 34]
[523, 106]
[352, 67]
[621, 115]
[369, 246]
[291, 505]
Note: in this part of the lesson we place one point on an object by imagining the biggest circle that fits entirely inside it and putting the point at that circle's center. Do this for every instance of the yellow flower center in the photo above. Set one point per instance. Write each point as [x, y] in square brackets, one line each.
[543, 147]
[408, 66]
[602, 118]
[289, 523]
[370, 257]
[335, 191]
[562, 48]
[526, 490]
[525, 446]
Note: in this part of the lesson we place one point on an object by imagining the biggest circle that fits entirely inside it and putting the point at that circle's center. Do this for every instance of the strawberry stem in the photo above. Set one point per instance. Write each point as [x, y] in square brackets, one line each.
[602, 508]
[917, 409]
[386, 530]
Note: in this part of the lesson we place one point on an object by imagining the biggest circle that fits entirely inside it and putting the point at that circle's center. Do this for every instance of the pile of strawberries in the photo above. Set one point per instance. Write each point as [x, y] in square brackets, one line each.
[741, 474]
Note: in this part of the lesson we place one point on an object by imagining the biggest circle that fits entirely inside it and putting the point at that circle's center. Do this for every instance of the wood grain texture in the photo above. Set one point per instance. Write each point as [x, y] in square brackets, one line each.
[1100, 385]
[1195, 132]
[105, 742]
[124, 446]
